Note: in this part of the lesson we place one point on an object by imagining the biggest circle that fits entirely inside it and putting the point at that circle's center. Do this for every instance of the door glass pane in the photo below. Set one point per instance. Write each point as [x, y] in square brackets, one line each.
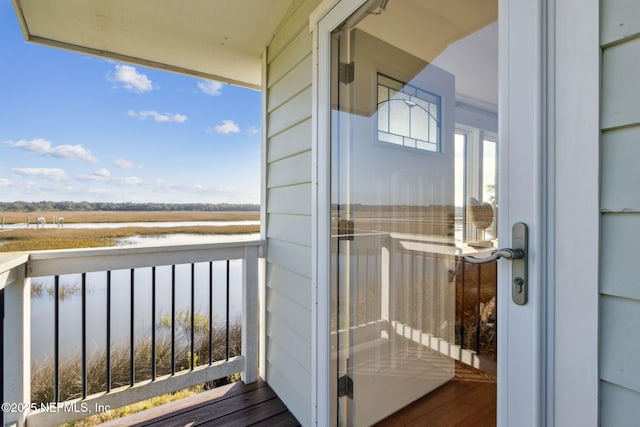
[489, 177]
[414, 134]
[460, 165]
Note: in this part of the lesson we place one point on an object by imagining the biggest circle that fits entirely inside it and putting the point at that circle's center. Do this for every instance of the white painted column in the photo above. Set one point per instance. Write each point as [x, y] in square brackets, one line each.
[250, 310]
[17, 344]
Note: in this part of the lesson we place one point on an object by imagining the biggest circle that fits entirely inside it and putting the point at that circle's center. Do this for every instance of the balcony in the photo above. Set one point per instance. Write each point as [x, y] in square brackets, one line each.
[205, 286]
[196, 357]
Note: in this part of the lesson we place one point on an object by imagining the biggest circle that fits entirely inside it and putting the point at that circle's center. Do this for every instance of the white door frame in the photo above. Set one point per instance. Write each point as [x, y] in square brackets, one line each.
[532, 384]
[573, 132]
[521, 192]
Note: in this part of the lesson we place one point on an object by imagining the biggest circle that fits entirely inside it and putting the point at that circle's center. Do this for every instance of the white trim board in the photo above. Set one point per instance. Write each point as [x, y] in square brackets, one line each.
[328, 15]
[574, 208]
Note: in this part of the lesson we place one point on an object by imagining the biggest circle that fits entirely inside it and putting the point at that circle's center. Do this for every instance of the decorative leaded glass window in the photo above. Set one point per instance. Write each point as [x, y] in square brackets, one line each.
[407, 115]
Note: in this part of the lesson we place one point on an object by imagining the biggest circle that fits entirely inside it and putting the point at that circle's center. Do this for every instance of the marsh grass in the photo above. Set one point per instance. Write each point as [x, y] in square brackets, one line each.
[65, 290]
[129, 216]
[31, 239]
[71, 367]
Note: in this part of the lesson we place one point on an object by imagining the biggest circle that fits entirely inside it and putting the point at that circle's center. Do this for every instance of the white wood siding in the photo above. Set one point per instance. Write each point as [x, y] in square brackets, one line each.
[288, 207]
[620, 210]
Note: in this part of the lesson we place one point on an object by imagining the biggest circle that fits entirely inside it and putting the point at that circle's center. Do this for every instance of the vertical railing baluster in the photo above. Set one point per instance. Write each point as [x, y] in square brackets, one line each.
[173, 319]
[193, 315]
[153, 323]
[132, 355]
[84, 335]
[227, 312]
[108, 349]
[56, 340]
[210, 312]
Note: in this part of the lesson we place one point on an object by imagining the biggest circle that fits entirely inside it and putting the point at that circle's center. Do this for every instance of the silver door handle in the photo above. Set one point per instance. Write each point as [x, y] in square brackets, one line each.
[506, 253]
[519, 268]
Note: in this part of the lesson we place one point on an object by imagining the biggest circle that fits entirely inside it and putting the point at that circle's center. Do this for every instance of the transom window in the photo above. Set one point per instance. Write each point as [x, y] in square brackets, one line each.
[407, 115]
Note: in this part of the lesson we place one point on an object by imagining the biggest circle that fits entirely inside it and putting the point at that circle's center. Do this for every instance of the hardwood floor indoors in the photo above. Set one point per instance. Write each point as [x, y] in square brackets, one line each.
[469, 400]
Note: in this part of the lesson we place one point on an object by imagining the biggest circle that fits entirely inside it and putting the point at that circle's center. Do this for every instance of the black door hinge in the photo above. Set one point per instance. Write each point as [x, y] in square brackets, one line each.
[345, 386]
[346, 72]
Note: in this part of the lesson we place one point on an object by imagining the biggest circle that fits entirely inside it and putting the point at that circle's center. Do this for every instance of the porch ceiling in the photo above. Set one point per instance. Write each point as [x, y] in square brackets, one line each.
[218, 39]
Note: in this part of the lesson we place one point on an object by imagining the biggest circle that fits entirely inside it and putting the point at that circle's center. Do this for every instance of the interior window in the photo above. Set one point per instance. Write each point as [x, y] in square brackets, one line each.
[475, 186]
[407, 115]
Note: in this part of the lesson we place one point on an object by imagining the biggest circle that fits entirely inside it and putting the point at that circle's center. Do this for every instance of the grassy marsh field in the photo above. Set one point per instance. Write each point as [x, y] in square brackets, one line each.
[30, 239]
[130, 216]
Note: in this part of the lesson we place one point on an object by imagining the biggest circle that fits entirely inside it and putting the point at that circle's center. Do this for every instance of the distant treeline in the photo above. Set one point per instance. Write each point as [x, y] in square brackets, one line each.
[21, 206]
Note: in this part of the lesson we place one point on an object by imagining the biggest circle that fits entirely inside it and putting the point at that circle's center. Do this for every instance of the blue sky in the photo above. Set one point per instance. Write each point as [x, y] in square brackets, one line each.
[75, 127]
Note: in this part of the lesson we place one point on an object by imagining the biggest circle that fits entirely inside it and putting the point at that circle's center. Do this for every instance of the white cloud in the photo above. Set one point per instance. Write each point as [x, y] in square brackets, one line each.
[129, 77]
[46, 148]
[127, 180]
[103, 172]
[158, 117]
[124, 164]
[108, 179]
[53, 174]
[252, 130]
[210, 87]
[163, 186]
[227, 127]
[4, 182]
[91, 178]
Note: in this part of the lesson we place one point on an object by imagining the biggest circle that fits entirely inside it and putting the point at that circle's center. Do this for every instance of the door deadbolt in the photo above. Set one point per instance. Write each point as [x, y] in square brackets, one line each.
[517, 254]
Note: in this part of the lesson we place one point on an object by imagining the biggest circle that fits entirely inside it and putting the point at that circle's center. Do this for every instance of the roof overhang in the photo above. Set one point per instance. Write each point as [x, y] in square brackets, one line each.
[216, 39]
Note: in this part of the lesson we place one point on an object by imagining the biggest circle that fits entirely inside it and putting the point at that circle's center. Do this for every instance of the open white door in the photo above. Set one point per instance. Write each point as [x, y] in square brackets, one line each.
[429, 118]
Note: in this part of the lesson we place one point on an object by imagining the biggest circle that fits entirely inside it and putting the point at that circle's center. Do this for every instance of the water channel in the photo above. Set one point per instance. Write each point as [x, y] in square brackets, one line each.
[130, 224]
[42, 305]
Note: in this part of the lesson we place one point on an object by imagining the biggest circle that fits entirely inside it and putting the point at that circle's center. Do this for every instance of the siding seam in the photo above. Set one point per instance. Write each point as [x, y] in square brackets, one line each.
[283, 22]
[610, 212]
[285, 101]
[620, 127]
[618, 297]
[288, 156]
[620, 386]
[290, 243]
[283, 268]
[285, 46]
[292, 214]
[282, 380]
[289, 127]
[283, 322]
[300, 364]
[282, 77]
[620, 41]
[293, 302]
[291, 184]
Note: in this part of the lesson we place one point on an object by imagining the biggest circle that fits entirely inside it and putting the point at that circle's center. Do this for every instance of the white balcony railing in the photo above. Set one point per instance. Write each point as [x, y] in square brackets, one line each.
[16, 272]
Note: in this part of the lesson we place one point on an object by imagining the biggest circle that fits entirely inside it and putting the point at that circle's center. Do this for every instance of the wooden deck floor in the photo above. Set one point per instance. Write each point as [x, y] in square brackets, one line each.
[469, 400]
[236, 404]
